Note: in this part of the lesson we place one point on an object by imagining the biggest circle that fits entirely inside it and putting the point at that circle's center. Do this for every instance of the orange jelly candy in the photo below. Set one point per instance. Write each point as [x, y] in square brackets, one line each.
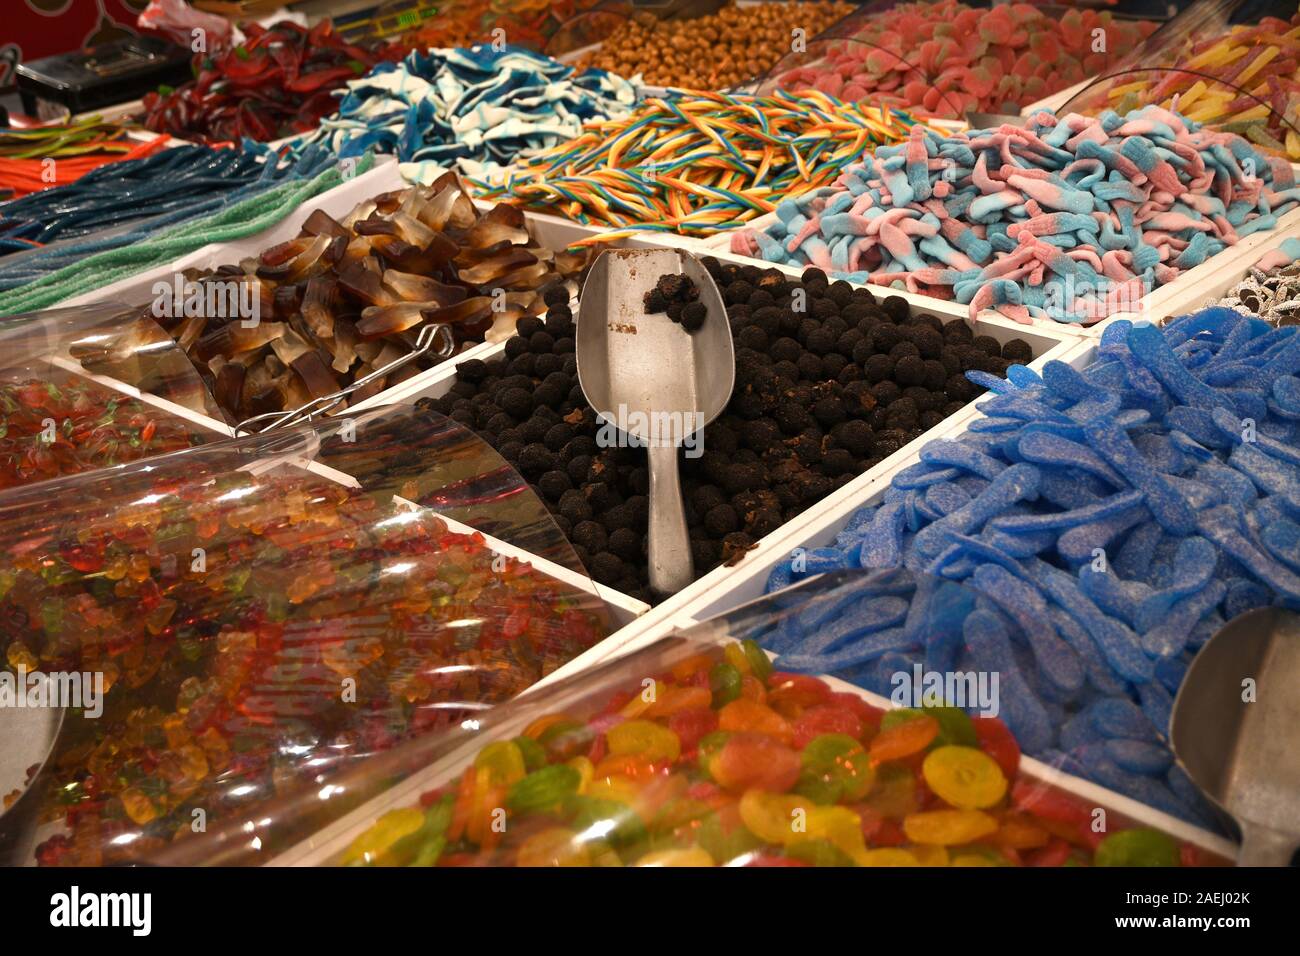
[903, 739]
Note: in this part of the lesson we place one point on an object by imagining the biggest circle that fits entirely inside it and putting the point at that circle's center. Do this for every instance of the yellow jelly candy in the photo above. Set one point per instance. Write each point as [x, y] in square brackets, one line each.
[643, 738]
[553, 847]
[585, 770]
[503, 761]
[385, 831]
[840, 827]
[694, 856]
[964, 777]
[773, 817]
[929, 855]
[948, 827]
[888, 856]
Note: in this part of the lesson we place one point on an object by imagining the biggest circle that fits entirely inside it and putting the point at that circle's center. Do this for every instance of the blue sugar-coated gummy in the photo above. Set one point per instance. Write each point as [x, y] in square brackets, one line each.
[1056, 660]
[1197, 494]
[1198, 424]
[989, 650]
[1223, 527]
[1098, 765]
[1019, 482]
[923, 475]
[945, 499]
[961, 455]
[859, 519]
[1151, 348]
[1078, 732]
[1081, 544]
[1100, 510]
[859, 649]
[1193, 566]
[1170, 671]
[883, 540]
[849, 623]
[1137, 756]
[1232, 484]
[1095, 668]
[1067, 491]
[1244, 595]
[1120, 717]
[782, 576]
[1020, 545]
[1114, 595]
[1282, 539]
[1134, 557]
[1170, 635]
[1046, 448]
[1117, 643]
[1157, 705]
[1166, 505]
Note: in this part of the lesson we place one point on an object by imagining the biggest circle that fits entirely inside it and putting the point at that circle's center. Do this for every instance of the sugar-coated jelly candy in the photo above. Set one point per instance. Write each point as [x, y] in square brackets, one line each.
[751, 760]
[964, 777]
[899, 740]
[543, 789]
[745, 714]
[1136, 847]
[388, 829]
[948, 827]
[836, 769]
[774, 817]
[643, 738]
[555, 846]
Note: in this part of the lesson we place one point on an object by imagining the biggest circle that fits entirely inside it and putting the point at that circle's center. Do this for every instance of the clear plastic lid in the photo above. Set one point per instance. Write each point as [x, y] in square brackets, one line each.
[71, 384]
[206, 631]
[1209, 65]
[944, 59]
[694, 752]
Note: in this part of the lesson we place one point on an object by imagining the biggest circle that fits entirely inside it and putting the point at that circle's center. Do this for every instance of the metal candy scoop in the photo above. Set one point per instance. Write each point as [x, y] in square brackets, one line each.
[1245, 754]
[28, 735]
[651, 379]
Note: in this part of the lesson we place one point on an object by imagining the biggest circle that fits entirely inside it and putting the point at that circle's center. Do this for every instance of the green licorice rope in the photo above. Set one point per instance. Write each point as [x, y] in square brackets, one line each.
[242, 219]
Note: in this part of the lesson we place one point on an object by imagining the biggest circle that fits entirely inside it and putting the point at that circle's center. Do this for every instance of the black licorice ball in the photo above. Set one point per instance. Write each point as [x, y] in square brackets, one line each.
[693, 316]
[1017, 350]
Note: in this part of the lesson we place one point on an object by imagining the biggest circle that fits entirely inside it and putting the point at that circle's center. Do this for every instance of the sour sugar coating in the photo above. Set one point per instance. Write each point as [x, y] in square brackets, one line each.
[1109, 521]
[1072, 219]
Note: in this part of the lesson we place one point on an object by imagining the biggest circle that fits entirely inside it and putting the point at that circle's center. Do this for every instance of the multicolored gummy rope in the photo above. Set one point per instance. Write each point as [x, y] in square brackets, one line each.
[696, 163]
[1074, 218]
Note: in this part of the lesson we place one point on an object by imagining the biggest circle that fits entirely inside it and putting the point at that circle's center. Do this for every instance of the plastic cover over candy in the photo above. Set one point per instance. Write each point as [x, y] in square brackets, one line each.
[1230, 65]
[70, 384]
[698, 751]
[202, 632]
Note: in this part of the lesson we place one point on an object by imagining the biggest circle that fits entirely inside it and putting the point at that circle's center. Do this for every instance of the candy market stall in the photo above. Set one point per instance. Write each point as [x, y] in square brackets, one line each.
[264, 612]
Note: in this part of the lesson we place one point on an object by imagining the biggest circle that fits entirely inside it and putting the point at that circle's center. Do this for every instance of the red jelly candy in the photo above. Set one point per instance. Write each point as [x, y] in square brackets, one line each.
[754, 761]
[996, 740]
[825, 719]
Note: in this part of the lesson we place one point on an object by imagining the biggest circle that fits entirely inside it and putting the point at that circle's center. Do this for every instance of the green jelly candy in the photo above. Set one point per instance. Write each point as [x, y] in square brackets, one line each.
[425, 845]
[611, 821]
[543, 789]
[565, 739]
[759, 662]
[835, 768]
[900, 715]
[1137, 847]
[724, 682]
[725, 843]
[534, 753]
[955, 727]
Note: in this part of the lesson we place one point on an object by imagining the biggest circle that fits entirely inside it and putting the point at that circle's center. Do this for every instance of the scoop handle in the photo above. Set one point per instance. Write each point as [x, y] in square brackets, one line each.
[1264, 846]
[669, 547]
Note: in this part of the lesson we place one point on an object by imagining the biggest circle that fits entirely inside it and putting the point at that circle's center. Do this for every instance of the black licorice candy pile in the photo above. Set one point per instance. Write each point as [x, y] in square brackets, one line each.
[829, 382]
